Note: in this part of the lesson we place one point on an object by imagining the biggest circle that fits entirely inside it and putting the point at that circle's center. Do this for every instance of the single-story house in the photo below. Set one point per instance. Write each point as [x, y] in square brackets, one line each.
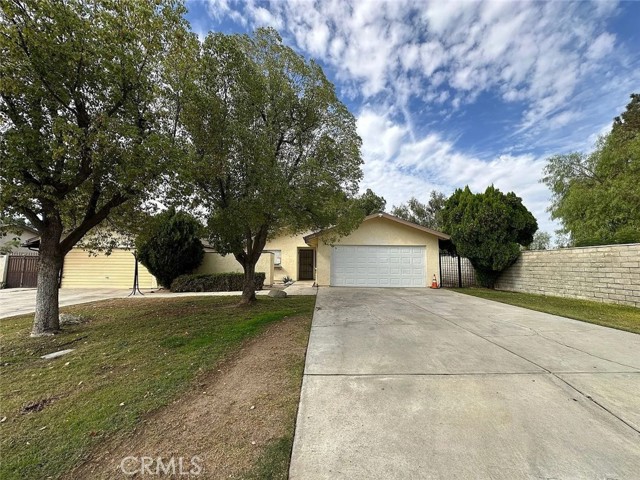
[384, 251]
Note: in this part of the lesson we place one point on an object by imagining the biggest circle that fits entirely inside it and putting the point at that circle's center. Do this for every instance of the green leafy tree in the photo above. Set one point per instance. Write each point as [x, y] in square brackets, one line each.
[86, 122]
[488, 228]
[273, 147]
[596, 196]
[541, 241]
[370, 203]
[170, 246]
[425, 214]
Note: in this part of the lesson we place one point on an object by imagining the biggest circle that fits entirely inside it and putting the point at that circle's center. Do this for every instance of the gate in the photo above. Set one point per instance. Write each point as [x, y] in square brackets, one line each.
[456, 271]
[22, 271]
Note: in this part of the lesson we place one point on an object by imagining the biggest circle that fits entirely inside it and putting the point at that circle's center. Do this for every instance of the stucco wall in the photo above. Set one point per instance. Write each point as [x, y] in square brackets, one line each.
[380, 231]
[82, 270]
[288, 246]
[215, 263]
[4, 263]
[608, 273]
[22, 237]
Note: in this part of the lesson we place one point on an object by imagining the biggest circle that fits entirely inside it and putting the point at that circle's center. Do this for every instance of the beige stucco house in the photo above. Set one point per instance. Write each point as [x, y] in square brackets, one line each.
[384, 251]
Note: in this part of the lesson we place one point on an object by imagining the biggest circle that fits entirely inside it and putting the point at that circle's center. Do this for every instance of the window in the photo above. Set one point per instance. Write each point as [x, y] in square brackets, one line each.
[277, 258]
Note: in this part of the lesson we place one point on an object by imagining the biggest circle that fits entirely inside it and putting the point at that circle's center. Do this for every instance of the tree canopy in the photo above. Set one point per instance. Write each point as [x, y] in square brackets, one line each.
[596, 195]
[86, 120]
[425, 214]
[488, 228]
[370, 203]
[541, 241]
[273, 148]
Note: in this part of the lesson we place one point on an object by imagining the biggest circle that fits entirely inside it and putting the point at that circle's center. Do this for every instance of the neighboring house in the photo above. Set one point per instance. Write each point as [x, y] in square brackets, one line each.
[384, 251]
[83, 269]
[14, 237]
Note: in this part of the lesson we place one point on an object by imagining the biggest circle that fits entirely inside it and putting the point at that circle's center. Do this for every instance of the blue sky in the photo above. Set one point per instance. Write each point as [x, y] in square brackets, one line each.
[448, 94]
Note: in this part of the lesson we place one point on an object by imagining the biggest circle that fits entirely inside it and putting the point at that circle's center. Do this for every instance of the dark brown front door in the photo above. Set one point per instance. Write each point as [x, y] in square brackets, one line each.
[305, 264]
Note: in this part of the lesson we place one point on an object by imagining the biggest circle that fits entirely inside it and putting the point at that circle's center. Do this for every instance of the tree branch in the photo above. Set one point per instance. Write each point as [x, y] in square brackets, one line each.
[91, 221]
[32, 216]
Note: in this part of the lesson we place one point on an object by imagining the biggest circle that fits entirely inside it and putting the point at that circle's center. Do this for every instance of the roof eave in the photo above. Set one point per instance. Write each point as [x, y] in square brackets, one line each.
[435, 233]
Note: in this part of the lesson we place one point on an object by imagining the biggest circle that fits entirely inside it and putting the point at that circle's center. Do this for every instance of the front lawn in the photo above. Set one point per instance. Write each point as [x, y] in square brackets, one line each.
[130, 358]
[621, 317]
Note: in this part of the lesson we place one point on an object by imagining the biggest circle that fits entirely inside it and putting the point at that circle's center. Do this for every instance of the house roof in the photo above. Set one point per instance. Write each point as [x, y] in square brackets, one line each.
[435, 233]
[32, 243]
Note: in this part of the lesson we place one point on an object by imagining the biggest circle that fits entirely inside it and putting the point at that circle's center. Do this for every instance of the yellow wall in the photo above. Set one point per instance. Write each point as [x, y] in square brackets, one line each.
[215, 263]
[113, 271]
[381, 231]
[288, 246]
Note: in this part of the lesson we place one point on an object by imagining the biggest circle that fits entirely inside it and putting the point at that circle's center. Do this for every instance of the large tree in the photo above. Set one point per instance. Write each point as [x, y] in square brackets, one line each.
[425, 214]
[488, 228]
[85, 121]
[596, 195]
[273, 147]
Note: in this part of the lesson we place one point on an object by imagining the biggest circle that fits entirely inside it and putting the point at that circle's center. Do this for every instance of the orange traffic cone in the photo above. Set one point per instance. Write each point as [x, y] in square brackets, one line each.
[434, 282]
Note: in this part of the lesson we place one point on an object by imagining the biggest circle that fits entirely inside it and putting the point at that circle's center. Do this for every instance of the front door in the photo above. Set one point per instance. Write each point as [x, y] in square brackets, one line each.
[305, 264]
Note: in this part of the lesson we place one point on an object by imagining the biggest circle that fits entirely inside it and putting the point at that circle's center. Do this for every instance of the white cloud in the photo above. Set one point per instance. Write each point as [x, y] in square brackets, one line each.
[530, 52]
[602, 46]
[398, 167]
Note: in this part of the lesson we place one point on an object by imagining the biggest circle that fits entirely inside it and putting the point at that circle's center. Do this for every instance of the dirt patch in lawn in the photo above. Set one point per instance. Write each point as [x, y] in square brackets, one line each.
[232, 419]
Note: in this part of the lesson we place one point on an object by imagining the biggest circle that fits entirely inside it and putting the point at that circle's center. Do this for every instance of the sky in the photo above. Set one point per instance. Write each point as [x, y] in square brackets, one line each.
[455, 93]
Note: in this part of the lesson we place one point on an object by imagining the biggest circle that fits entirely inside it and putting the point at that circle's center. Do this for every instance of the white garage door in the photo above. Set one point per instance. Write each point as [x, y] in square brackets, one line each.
[377, 266]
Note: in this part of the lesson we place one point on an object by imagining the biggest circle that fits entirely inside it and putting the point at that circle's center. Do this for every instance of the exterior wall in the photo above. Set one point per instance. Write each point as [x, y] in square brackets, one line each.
[4, 264]
[103, 271]
[380, 231]
[215, 263]
[288, 246]
[22, 237]
[609, 273]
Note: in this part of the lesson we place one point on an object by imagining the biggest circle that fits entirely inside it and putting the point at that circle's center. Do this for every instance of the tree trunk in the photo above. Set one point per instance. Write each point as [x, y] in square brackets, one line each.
[248, 260]
[249, 285]
[46, 321]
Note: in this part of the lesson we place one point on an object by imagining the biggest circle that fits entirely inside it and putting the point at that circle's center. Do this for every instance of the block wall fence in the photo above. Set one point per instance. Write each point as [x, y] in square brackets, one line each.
[608, 273]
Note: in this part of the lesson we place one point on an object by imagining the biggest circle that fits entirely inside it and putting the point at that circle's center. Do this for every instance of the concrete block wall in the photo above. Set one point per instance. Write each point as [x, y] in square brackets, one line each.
[608, 273]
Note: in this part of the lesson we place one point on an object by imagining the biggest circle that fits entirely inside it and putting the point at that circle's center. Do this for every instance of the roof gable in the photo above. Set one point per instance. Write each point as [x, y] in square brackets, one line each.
[386, 216]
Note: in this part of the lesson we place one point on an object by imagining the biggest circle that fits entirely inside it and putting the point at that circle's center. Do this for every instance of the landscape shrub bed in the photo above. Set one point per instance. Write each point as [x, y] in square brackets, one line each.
[214, 282]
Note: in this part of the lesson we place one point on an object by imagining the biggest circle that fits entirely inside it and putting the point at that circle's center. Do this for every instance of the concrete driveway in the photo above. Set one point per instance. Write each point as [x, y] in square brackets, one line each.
[417, 383]
[21, 301]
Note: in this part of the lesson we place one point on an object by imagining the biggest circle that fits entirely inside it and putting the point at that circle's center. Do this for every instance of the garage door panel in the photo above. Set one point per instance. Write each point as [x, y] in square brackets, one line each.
[378, 266]
[82, 270]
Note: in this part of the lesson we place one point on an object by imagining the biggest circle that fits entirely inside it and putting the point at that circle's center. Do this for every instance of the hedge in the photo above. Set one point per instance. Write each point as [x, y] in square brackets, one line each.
[214, 282]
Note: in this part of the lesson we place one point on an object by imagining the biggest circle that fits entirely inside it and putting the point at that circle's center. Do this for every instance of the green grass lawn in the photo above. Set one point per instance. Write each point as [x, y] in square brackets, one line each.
[621, 317]
[130, 357]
